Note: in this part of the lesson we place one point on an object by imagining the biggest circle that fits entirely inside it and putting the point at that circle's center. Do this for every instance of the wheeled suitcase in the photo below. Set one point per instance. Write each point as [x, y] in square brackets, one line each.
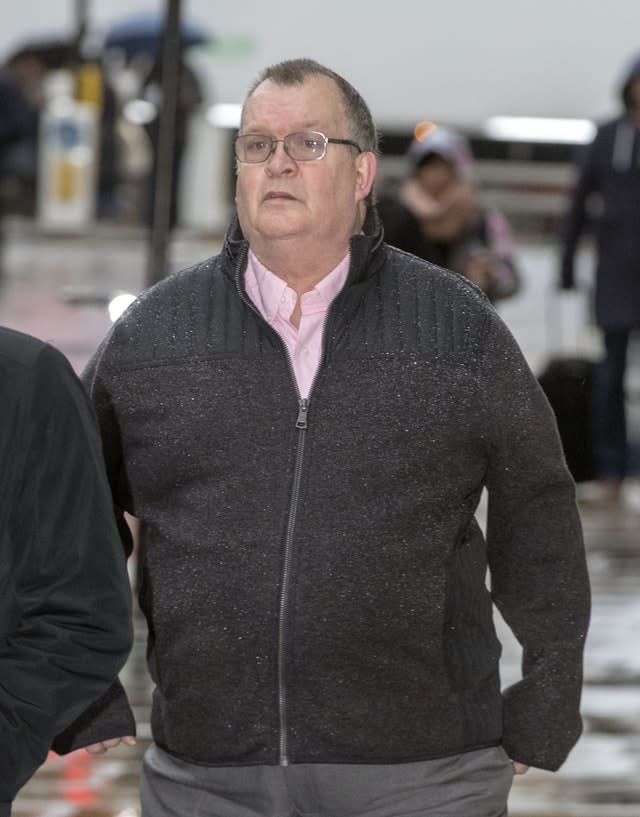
[568, 385]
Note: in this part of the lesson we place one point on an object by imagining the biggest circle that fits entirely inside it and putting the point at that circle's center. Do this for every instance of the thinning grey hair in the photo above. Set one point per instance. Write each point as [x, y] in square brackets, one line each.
[295, 72]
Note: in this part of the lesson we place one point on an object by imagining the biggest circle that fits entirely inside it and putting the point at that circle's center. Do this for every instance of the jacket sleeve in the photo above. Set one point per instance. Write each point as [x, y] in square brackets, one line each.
[72, 628]
[575, 220]
[536, 555]
[110, 716]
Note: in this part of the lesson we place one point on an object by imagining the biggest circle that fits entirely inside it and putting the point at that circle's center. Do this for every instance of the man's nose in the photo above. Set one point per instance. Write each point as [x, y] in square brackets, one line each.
[280, 161]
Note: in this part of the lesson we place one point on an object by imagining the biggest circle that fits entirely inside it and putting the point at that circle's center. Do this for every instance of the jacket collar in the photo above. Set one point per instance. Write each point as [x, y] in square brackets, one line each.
[365, 248]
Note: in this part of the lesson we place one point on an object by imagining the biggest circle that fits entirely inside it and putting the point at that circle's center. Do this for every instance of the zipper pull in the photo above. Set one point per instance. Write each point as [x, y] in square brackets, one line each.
[303, 407]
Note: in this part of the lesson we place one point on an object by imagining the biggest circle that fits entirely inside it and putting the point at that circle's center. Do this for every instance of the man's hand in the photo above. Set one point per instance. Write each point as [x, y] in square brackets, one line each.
[104, 745]
[519, 768]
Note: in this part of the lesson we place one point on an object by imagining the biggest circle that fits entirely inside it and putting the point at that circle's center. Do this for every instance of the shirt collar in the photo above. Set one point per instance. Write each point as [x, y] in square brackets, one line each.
[266, 289]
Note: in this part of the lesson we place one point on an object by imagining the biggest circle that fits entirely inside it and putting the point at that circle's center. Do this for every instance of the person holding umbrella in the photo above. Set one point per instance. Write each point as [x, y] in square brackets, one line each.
[140, 39]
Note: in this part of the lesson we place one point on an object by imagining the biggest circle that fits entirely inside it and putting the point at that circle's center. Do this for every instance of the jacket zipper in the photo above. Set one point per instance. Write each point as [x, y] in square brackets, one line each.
[301, 425]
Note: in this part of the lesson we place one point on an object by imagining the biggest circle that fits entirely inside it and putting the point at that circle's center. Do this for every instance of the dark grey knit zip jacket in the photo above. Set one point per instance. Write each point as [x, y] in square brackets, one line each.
[314, 580]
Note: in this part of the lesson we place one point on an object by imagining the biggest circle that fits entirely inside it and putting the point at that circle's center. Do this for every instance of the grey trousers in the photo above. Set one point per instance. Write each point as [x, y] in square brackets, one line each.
[475, 784]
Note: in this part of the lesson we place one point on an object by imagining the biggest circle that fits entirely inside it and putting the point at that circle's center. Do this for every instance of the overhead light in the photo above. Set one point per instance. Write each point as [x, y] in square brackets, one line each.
[225, 115]
[539, 129]
[118, 305]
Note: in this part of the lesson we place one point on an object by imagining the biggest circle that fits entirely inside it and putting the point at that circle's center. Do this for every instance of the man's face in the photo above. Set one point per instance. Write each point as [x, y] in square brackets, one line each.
[281, 199]
[436, 176]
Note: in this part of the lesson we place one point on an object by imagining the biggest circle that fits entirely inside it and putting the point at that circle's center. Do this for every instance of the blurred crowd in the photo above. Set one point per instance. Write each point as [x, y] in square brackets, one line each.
[124, 85]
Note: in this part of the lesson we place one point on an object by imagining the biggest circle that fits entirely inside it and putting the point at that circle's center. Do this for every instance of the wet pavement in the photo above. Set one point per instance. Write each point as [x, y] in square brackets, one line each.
[58, 289]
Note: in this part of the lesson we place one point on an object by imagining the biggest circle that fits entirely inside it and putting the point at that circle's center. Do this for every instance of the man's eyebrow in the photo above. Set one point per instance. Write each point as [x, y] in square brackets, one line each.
[304, 126]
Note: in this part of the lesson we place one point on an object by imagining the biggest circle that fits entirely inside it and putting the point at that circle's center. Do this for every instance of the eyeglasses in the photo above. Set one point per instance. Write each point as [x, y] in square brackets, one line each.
[301, 147]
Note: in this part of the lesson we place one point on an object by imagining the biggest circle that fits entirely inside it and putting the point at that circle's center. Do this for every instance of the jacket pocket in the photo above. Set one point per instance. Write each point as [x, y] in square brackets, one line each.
[471, 646]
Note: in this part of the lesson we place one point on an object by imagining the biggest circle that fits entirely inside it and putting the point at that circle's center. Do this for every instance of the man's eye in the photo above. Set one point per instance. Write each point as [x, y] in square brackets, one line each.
[257, 145]
[310, 143]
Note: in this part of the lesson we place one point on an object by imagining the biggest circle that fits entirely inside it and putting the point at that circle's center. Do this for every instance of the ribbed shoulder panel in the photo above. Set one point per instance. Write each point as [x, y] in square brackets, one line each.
[196, 313]
[411, 307]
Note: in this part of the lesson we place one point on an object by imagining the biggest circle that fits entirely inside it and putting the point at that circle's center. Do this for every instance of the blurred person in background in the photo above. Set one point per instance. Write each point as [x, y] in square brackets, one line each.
[304, 424]
[608, 189]
[109, 150]
[19, 113]
[188, 101]
[436, 215]
[16, 126]
[65, 599]
[30, 68]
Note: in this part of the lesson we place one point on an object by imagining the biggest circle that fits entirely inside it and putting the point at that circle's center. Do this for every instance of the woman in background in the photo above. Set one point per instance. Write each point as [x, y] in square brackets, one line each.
[436, 216]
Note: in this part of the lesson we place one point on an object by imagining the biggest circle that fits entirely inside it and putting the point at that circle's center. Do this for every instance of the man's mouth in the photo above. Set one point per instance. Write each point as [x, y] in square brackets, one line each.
[278, 194]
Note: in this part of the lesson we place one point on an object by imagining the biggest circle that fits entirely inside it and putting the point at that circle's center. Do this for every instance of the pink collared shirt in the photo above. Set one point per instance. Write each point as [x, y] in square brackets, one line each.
[275, 300]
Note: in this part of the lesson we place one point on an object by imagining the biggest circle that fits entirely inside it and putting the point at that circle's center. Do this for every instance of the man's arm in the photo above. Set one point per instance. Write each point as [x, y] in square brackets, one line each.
[575, 219]
[536, 556]
[73, 629]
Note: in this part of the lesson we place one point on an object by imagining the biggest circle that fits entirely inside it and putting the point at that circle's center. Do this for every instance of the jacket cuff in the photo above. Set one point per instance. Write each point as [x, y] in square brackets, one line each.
[536, 734]
[108, 717]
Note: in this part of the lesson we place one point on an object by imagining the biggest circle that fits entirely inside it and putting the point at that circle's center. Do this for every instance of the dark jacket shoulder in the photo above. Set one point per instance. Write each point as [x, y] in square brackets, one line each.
[27, 362]
[18, 349]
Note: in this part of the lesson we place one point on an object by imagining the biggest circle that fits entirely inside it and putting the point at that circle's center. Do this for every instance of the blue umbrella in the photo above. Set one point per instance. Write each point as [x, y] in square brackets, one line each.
[142, 34]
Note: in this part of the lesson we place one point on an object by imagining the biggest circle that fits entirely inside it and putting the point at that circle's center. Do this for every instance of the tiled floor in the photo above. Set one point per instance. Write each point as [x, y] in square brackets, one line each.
[58, 289]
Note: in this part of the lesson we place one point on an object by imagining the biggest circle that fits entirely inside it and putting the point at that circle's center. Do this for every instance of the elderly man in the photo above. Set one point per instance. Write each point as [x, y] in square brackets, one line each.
[65, 600]
[305, 424]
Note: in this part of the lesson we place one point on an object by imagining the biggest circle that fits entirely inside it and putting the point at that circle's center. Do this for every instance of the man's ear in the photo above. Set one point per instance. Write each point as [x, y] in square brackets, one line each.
[366, 168]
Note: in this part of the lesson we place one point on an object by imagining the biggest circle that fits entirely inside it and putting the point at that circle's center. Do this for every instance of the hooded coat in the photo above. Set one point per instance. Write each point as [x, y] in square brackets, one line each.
[608, 184]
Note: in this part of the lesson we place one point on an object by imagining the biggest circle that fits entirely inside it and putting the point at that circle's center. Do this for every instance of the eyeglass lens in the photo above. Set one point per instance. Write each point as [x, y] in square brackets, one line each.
[302, 147]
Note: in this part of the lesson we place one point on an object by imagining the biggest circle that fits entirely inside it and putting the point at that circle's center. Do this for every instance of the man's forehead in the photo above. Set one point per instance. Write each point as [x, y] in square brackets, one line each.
[310, 100]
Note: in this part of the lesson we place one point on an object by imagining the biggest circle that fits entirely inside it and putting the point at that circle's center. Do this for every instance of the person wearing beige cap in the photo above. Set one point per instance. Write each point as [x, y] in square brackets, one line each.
[437, 215]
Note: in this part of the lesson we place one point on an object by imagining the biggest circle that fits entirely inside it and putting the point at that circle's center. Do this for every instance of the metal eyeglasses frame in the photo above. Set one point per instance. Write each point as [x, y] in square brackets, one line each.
[273, 142]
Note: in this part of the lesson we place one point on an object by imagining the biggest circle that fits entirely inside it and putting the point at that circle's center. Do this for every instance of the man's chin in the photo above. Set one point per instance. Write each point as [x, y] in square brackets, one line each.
[276, 229]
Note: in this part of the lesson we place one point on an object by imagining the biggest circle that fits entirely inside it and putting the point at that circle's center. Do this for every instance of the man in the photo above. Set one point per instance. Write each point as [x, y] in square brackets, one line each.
[610, 171]
[65, 602]
[304, 424]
